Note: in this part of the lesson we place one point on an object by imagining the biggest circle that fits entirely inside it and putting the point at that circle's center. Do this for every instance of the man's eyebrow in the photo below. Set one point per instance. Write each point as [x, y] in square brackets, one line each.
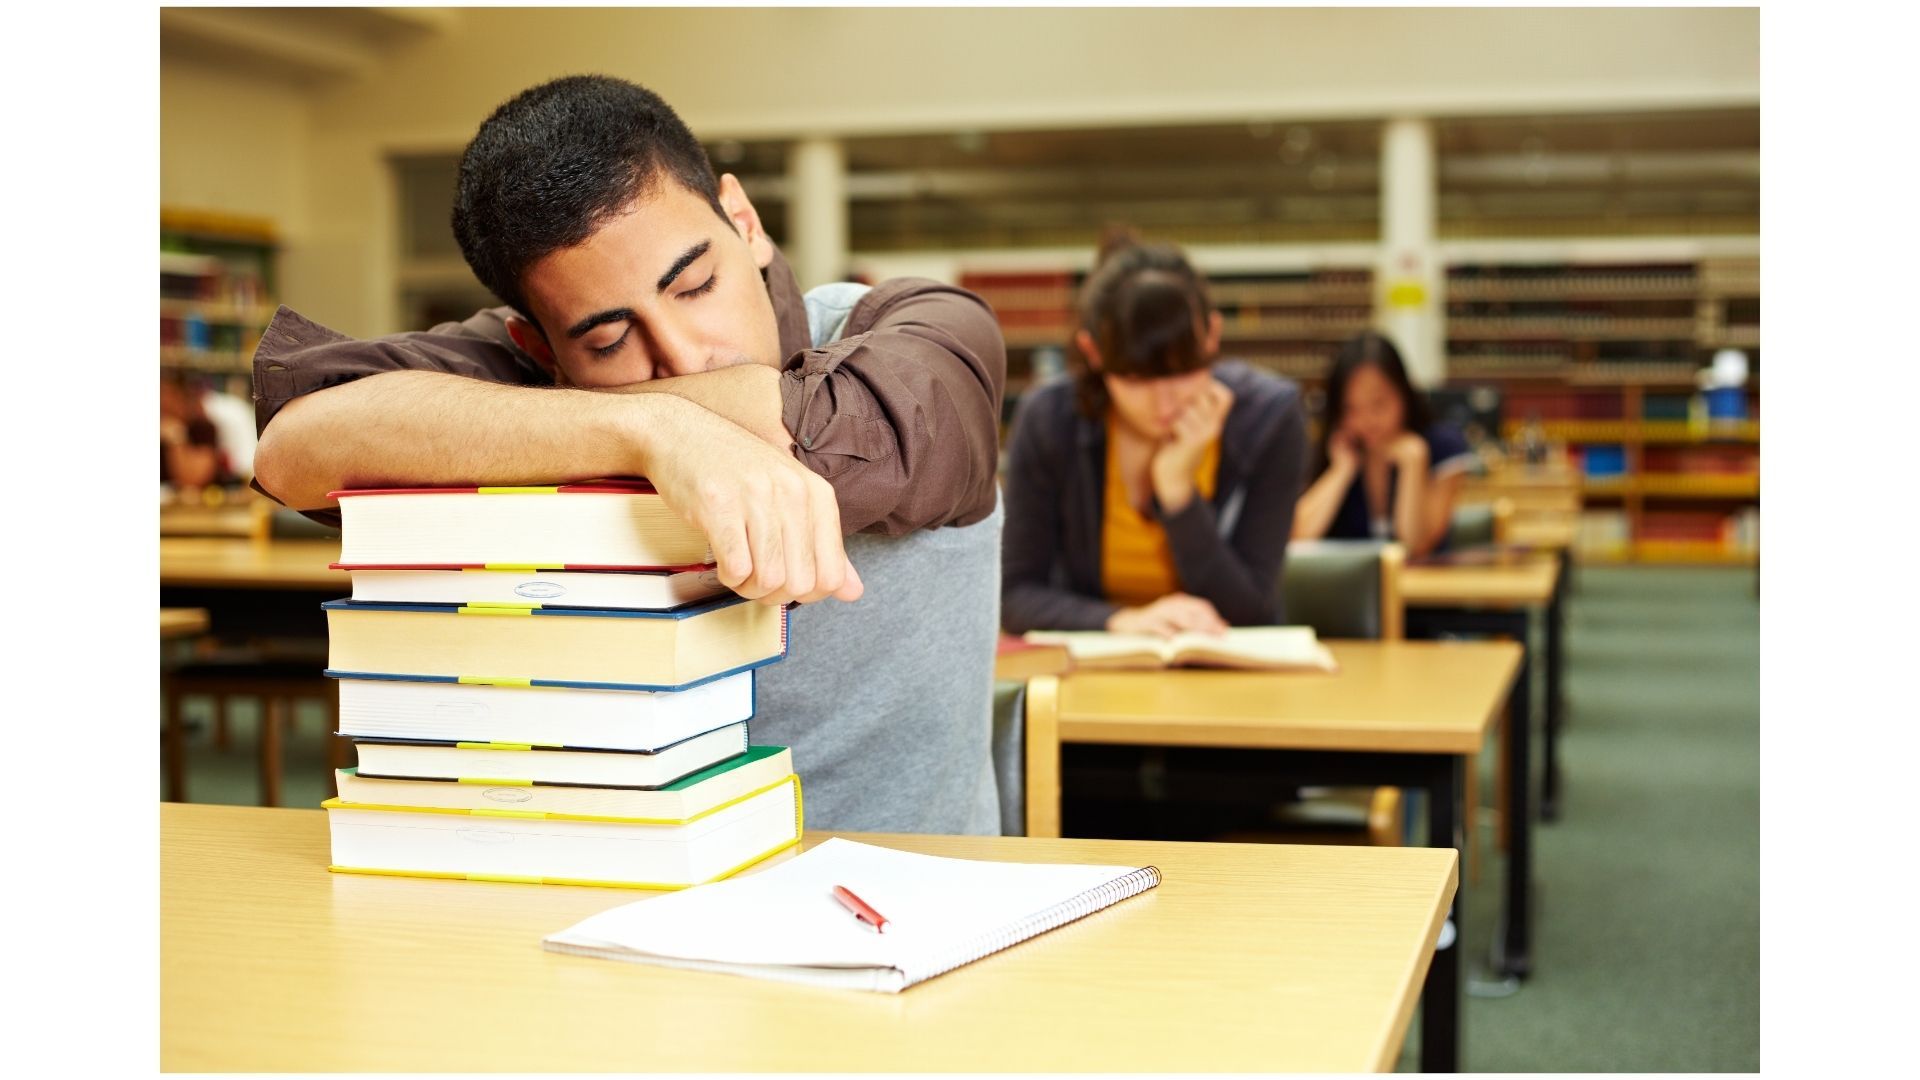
[598, 318]
[685, 260]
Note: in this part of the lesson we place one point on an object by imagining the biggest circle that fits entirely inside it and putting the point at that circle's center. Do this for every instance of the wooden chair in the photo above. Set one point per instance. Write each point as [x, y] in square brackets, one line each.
[1343, 589]
[278, 684]
[1346, 589]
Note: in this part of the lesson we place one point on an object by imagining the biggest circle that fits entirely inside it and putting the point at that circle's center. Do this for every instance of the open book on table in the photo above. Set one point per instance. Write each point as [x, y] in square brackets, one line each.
[1260, 648]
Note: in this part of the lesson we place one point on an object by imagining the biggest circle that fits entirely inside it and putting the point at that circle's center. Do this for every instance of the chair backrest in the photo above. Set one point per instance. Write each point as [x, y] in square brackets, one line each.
[1344, 588]
[1473, 526]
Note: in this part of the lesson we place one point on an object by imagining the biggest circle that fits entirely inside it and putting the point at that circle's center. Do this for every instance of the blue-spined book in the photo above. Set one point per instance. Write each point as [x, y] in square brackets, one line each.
[528, 645]
[509, 763]
[542, 716]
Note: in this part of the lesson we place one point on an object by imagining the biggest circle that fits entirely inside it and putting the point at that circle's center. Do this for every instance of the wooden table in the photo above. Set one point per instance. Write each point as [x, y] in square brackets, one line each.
[1246, 958]
[1499, 597]
[181, 622]
[253, 587]
[250, 564]
[1398, 712]
[246, 519]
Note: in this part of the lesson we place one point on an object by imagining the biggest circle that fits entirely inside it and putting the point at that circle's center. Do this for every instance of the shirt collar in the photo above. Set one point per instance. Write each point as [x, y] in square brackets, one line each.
[789, 306]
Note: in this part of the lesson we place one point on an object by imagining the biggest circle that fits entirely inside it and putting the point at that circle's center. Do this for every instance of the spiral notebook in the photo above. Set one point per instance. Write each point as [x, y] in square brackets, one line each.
[783, 922]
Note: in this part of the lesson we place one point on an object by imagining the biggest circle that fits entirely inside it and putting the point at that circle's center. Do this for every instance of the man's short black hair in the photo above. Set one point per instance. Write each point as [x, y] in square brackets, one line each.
[554, 163]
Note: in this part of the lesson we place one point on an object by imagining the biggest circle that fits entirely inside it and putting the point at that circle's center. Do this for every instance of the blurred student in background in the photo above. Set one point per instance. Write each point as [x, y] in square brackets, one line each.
[1386, 470]
[1153, 491]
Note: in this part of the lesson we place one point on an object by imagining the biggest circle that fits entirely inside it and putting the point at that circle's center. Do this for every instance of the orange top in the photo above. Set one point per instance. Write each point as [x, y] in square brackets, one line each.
[1136, 562]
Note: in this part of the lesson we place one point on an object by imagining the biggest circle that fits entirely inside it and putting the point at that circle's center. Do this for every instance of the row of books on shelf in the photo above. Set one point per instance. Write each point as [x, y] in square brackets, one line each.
[1552, 404]
[549, 685]
[1599, 461]
[1607, 534]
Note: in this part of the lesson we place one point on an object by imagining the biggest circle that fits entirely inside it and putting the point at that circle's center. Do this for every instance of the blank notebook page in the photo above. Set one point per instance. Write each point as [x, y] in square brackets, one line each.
[784, 923]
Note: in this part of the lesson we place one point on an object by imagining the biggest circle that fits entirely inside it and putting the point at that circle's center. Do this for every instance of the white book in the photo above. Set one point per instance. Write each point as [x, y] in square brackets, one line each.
[483, 762]
[644, 590]
[783, 922]
[432, 843]
[541, 715]
[679, 802]
[1261, 648]
[602, 525]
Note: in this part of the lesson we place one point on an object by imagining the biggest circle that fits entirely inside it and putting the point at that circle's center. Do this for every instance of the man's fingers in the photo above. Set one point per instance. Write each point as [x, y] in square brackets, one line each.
[851, 588]
[727, 536]
[797, 537]
[829, 550]
[769, 557]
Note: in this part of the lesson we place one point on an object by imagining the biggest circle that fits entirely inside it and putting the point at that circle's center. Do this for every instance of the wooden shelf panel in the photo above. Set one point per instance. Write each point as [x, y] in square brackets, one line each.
[1675, 485]
[216, 312]
[174, 356]
[1643, 431]
[1559, 328]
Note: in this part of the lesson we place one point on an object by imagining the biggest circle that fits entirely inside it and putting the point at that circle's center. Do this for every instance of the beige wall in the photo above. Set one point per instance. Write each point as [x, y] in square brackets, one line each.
[849, 71]
[234, 144]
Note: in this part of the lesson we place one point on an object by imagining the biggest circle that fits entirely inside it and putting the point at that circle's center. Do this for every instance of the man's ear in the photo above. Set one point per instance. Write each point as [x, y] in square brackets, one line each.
[1084, 342]
[746, 220]
[534, 343]
[1214, 325]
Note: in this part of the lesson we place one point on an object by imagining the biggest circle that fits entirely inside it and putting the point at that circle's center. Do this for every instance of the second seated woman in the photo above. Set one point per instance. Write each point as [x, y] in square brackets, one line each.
[1387, 471]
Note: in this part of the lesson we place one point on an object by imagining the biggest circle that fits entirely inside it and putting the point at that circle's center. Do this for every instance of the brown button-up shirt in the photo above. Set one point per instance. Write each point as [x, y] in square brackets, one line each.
[901, 413]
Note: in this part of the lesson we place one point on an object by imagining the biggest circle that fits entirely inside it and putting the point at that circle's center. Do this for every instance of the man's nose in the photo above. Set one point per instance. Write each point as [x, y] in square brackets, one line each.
[677, 350]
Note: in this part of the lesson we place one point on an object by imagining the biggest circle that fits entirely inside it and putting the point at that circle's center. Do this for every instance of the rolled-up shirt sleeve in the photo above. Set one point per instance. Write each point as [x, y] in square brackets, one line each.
[903, 416]
[298, 356]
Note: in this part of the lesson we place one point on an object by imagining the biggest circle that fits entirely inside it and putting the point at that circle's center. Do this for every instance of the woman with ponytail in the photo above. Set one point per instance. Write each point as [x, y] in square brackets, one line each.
[1153, 490]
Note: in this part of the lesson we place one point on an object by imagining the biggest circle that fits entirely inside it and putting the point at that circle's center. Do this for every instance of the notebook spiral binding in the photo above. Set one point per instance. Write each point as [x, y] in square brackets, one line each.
[1059, 915]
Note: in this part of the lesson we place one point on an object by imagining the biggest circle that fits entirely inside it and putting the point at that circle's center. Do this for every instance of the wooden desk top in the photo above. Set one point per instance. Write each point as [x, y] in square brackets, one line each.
[1551, 531]
[1524, 580]
[1390, 696]
[1247, 957]
[240, 519]
[182, 622]
[248, 564]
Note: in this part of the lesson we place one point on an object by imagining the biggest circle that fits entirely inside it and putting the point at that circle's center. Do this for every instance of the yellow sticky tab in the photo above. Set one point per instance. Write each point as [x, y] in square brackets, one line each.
[493, 781]
[519, 491]
[1406, 294]
[523, 568]
[509, 878]
[494, 746]
[509, 813]
[487, 609]
[491, 680]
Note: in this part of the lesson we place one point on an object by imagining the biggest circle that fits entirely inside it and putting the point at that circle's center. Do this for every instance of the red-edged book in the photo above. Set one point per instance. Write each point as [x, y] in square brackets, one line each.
[597, 526]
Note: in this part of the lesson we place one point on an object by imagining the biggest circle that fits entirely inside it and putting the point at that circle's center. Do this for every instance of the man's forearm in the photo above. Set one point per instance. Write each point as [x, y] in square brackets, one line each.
[747, 394]
[428, 428]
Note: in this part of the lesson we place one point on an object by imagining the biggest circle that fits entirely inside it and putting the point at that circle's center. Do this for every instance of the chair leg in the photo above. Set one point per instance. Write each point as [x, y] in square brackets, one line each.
[1383, 817]
[273, 719]
[1471, 805]
[1503, 767]
[173, 745]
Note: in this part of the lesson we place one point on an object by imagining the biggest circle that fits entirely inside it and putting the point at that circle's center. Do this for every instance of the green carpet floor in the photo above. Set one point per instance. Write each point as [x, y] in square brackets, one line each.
[1647, 933]
[1647, 939]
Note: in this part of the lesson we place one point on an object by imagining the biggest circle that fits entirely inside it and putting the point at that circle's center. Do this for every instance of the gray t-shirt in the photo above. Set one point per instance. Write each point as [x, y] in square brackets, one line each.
[887, 702]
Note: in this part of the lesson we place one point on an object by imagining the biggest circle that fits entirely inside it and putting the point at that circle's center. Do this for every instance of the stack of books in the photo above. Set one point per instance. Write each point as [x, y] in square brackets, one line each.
[549, 685]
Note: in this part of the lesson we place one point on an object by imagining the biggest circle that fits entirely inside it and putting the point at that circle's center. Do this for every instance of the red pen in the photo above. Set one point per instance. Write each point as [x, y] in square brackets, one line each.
[860, 908]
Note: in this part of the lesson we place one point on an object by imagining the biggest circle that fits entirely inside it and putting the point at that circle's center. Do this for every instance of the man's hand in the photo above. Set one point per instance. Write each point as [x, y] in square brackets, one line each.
[1175, 613]
[773, 524]
[1197, 426]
